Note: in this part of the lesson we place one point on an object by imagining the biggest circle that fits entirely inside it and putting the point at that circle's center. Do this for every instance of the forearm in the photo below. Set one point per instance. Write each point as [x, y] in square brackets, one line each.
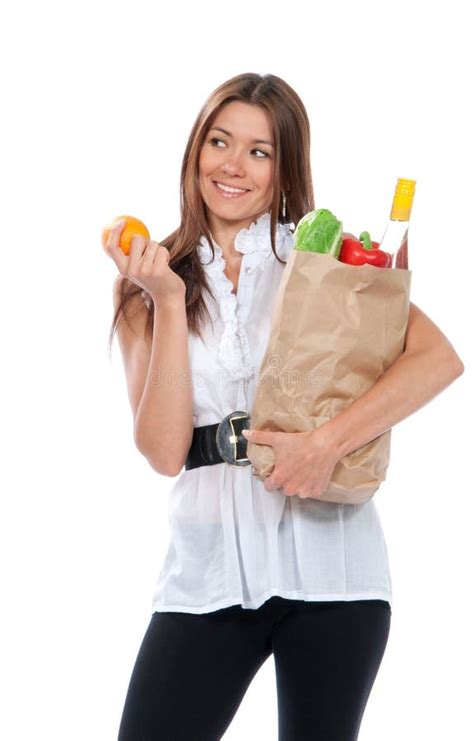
[164, 419]
[410, 383]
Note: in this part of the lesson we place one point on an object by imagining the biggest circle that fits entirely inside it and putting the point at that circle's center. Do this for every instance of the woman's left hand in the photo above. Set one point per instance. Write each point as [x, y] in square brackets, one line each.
[304, 461]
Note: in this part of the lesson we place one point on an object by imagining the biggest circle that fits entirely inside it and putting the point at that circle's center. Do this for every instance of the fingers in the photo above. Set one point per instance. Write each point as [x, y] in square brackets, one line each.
[148, 261]
[270, 484]
[115, 252]
[261, 437]
[138, 245]
[140, 249]
[155, 253]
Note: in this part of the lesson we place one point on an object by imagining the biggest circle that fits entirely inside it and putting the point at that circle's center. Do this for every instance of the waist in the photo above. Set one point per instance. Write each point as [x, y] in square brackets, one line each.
[221, 442]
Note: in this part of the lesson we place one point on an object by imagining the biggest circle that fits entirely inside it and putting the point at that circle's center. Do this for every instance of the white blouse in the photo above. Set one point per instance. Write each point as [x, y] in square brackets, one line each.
[232, 541]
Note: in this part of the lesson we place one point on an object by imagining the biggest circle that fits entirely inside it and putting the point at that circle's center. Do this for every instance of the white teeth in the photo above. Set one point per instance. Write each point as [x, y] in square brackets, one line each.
[231, 190]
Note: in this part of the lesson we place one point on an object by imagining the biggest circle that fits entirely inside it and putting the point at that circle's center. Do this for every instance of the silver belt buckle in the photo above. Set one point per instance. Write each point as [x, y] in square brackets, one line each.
[230, 441]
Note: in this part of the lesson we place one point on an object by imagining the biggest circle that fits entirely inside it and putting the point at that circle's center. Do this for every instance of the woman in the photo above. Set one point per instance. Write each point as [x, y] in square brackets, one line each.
[251, 570]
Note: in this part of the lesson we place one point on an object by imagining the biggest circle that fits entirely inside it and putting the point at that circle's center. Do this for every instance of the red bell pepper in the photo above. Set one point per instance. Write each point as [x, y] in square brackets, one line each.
[362, 251]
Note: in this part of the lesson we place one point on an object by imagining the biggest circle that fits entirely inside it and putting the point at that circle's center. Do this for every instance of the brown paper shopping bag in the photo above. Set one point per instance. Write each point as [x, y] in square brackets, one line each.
[335, 329]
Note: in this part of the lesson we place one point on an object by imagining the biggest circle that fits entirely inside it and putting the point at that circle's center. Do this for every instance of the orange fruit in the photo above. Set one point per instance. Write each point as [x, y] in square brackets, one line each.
[132, 226]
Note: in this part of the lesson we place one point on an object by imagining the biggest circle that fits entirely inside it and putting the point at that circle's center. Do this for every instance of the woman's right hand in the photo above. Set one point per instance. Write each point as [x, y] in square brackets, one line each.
[146, 265]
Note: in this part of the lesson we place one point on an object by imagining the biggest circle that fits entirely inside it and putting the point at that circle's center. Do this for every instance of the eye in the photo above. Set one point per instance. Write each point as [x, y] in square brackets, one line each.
[215, 139]
[260, 150]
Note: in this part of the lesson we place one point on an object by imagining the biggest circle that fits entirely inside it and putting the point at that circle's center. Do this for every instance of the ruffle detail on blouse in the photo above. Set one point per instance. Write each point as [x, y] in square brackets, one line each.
[234, 352]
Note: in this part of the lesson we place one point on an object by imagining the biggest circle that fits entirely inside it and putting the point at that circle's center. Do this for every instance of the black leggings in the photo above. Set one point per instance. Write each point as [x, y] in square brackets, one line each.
[192, 671]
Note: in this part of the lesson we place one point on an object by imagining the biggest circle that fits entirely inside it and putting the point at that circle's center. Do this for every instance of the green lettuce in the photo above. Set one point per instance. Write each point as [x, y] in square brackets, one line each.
[319, 231]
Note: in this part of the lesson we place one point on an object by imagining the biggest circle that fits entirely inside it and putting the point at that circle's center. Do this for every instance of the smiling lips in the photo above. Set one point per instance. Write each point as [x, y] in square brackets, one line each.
[228, 191]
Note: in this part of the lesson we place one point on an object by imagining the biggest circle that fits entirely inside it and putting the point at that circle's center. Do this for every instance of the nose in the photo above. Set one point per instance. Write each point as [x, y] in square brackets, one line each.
[233, 166]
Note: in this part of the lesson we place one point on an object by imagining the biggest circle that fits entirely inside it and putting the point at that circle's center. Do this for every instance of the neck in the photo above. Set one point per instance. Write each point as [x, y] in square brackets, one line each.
[224, 232]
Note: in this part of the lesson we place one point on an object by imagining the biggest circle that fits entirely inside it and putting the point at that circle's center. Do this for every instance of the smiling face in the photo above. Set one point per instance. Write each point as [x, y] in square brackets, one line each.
[236, 160]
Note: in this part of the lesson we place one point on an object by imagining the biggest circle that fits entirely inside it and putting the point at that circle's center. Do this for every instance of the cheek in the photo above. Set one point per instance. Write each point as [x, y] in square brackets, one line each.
[264, 176]
[202, 162]
[206, 161]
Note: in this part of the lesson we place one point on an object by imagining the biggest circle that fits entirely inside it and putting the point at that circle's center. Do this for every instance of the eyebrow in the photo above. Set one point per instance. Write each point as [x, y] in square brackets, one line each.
[254, 141]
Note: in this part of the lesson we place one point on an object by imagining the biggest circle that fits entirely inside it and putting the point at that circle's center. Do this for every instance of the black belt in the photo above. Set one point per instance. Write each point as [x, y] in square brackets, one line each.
[221, 442]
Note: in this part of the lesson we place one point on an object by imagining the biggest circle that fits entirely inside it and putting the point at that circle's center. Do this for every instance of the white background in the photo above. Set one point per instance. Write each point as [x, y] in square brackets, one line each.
[98, 101]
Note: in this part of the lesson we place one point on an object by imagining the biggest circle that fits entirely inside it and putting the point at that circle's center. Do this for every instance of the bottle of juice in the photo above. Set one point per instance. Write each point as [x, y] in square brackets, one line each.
[395, 237]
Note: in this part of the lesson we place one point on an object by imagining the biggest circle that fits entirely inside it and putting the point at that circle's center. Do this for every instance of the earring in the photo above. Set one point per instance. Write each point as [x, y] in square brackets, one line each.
[284, 205]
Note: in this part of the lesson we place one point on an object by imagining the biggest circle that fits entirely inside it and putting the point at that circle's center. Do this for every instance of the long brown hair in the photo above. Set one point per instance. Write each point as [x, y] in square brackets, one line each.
[292, 176]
